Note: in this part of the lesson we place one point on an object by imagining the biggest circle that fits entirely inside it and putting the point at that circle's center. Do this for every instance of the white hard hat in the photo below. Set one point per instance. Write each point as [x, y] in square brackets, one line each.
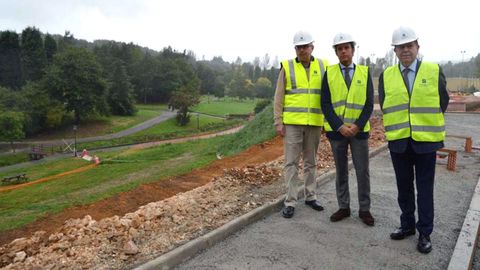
[341, 38]
[403, 35]
[302, 38]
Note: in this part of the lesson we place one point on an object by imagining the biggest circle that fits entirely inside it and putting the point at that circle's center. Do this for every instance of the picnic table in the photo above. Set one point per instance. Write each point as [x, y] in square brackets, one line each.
[18, 178]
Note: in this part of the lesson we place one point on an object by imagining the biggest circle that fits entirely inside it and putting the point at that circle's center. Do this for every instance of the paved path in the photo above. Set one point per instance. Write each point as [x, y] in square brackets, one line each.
[310, 241]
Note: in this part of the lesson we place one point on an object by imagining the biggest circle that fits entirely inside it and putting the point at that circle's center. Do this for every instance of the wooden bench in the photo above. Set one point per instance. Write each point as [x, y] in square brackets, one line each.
[451, 158]
[21, 177]
[37, 152]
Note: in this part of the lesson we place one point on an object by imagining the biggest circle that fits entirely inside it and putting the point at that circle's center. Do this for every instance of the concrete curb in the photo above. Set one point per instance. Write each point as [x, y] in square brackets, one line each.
[184, 252]
[462, 257]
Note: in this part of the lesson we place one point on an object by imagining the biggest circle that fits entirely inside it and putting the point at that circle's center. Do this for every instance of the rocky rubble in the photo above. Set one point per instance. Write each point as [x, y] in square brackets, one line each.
[155, 228]
[158, 227]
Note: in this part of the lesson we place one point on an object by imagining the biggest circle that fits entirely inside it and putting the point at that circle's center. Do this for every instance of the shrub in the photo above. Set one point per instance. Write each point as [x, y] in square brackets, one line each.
[261, 105]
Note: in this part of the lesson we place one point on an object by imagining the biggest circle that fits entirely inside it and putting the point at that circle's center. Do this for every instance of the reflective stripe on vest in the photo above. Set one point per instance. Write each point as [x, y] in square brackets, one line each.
[418, 116]
[302, 95]
[348, 103]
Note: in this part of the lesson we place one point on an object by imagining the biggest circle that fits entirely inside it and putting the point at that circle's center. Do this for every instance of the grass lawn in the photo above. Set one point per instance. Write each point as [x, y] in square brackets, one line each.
[222, 107]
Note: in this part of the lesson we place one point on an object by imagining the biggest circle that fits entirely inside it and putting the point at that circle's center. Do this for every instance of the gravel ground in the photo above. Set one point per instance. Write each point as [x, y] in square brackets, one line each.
[311, 241]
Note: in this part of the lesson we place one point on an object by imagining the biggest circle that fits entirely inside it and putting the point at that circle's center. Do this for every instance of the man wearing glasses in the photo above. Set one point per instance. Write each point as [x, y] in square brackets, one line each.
[413, 96]
[299, 119]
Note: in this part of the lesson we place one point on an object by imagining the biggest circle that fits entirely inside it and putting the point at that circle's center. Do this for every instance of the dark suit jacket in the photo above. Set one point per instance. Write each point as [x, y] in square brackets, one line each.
[335, 121]
[399, 146]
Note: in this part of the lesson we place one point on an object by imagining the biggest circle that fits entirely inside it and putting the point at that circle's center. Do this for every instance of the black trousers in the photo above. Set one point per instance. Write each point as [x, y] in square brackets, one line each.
[411, 167]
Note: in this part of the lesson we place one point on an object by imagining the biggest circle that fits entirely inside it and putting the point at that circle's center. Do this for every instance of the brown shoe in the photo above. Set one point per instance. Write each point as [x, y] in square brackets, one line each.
[366, 217]
[340, 214]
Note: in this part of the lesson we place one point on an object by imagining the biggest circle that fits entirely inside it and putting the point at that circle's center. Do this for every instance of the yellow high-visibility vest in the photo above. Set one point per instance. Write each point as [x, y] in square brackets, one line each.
[348, 103]
[302, 96]
[418, 115]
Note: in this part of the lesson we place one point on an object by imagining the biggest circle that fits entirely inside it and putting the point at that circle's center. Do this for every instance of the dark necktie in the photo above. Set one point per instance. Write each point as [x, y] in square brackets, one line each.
[405, 78]
[348, 80]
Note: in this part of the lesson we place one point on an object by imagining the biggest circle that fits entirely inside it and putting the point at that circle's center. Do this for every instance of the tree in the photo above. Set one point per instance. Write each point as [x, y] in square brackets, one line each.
[182, 100]
[237, 85]
[75, 79]
[142, 77]
[10, 61]
[50, 48]
[263, 88]
[266, 61]
[207, 78]
[36, 105]
[67, 41]
[33, 54]
[11, 127]
[120, 94]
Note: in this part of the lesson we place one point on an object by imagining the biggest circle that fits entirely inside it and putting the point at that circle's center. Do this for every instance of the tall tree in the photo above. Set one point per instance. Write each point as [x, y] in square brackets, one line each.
[33, 54]
[75, 78]
[50, 48]
[142, 77]
[10, 61]
[120, 93]
[207, 78]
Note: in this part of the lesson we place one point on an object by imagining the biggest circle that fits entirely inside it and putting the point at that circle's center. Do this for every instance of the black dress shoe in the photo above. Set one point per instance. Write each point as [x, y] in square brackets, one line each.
[424, 245]
[340, 214]
[401, 233]
[288, 211]
[315, 205]
[366, 217]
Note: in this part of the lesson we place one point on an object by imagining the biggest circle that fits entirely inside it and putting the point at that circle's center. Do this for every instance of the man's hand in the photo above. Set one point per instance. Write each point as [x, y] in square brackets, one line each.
[354, 129]
[346, 131]
[280, 129]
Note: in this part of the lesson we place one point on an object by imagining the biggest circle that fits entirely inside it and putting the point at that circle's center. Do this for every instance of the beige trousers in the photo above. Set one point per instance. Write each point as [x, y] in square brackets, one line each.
[301, 141]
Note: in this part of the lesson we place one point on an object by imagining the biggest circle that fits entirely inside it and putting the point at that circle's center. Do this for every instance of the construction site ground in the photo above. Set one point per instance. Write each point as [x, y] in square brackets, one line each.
[311, 241]
[139, 225]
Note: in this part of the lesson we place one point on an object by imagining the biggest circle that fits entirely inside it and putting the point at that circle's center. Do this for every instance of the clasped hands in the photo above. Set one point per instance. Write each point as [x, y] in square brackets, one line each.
[348, 131]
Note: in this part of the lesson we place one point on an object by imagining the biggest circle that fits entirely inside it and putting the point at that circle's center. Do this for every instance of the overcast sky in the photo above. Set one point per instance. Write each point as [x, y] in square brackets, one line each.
[250, 28]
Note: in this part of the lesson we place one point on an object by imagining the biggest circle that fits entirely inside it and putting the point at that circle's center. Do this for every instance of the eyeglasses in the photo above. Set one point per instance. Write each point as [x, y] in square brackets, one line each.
[299, 47]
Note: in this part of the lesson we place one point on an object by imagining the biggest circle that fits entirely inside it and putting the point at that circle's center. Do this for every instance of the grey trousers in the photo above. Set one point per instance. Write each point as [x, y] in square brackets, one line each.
[301, 141]
[359, 149]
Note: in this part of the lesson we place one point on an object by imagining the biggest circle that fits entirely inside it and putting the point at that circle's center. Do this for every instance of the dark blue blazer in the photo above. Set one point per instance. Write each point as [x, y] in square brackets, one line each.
[400, 146]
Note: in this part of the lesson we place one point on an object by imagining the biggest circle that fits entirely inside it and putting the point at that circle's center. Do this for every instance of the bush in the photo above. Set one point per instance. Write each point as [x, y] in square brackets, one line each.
[261, 105]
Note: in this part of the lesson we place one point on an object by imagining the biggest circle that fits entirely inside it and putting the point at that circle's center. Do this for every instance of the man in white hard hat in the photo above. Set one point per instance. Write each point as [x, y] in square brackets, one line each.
[413, 97]
[347, 103]
[298, 117]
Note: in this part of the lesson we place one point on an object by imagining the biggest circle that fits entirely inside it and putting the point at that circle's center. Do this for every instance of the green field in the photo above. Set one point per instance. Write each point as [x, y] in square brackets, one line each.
[222, 107]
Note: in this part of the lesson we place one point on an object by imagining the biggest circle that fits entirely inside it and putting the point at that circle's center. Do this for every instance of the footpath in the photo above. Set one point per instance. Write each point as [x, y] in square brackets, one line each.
[310, 241]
